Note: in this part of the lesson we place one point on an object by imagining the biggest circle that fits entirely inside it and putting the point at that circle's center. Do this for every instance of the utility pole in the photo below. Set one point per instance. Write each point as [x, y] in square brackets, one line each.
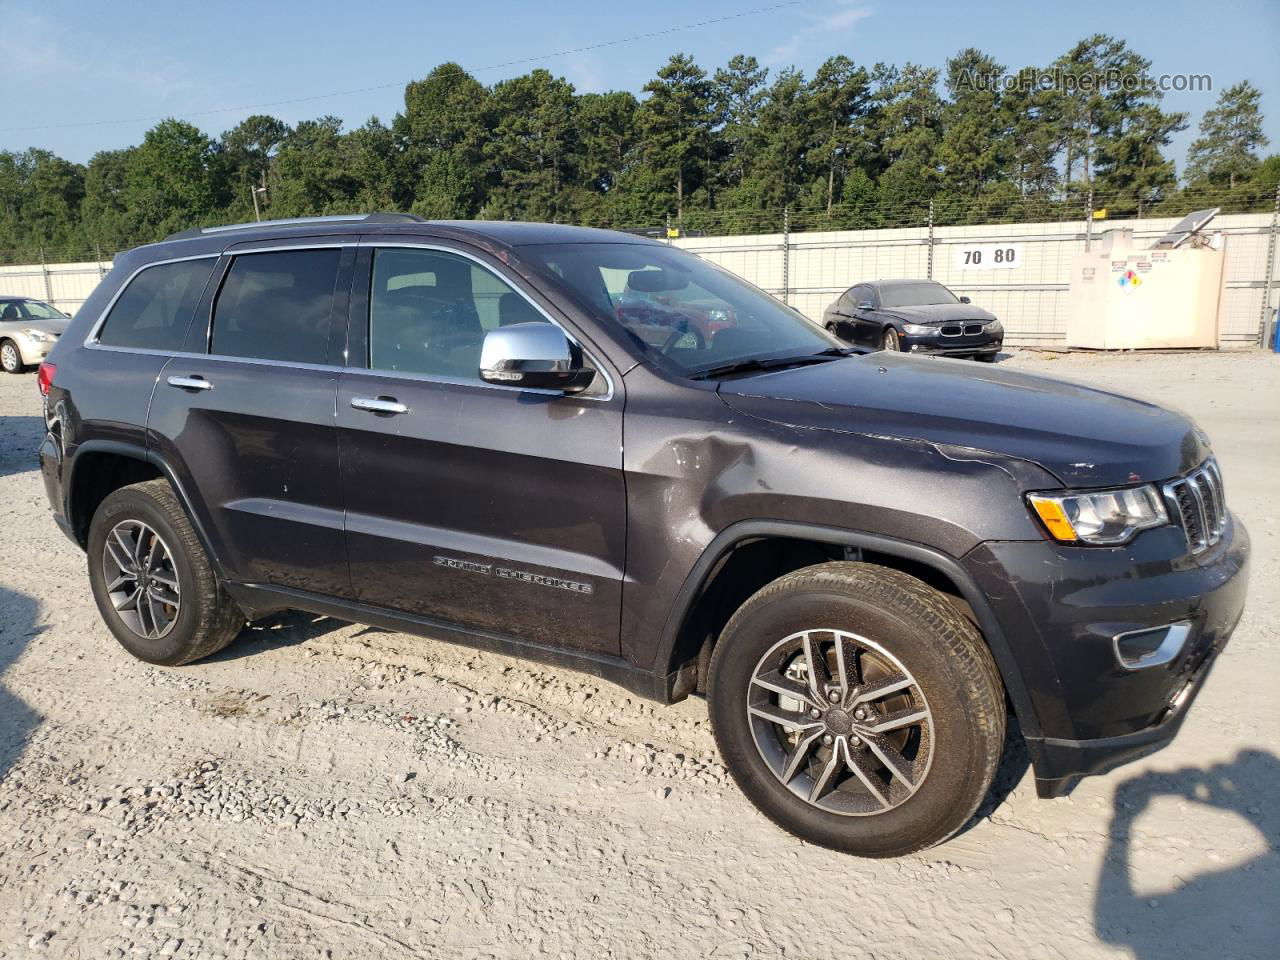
[786, 255]
[1088, 221]
[929, 272]
[1265, 317]
[48, 282]
[253, 192]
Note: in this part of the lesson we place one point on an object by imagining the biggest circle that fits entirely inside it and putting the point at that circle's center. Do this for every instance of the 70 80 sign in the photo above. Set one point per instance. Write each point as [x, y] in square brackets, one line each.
[996, 256]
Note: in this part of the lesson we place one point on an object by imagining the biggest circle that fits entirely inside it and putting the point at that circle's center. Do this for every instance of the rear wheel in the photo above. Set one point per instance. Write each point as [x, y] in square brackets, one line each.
[10, 358]
[891, 340]
[152, 580]
[857, 709]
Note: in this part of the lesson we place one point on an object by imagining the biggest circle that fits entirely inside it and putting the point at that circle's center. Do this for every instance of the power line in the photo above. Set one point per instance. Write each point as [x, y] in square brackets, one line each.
[400, 83]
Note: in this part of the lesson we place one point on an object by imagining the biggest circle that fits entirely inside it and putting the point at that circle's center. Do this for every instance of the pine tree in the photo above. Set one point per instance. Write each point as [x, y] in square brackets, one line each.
[530, 147]
[911, 128]
[675, 124]
[1230, 135]
[840, 95]
[738, 93]
[441, 135]
[975, 147]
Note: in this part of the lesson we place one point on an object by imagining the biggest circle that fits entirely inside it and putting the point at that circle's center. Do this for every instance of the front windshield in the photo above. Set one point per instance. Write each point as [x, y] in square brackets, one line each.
[681, 307]
[915, 294]
[40, 311]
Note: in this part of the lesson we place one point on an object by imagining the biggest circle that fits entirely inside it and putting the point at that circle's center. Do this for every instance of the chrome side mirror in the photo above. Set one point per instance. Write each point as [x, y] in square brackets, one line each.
[534, 355]
[865, 305]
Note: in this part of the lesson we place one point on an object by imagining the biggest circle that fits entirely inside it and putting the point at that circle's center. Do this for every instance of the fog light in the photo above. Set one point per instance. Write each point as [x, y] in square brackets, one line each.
[1138, 649]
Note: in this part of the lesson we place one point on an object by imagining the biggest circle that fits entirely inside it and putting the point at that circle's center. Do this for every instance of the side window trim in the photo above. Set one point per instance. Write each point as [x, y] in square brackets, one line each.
[91, 340]
[360, 315]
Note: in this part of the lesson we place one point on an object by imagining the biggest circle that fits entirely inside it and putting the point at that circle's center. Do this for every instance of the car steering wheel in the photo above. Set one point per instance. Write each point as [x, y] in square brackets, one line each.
[679, 335]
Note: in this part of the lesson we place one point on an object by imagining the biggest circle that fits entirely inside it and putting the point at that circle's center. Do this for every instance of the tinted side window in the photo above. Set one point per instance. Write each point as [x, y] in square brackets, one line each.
[429, 312]
[277, 306]
[155, 309]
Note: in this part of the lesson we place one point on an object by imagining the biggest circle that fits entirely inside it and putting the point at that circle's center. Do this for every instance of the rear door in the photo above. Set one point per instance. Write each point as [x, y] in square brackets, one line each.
[245, 415]
[495, 508]
[142, 327]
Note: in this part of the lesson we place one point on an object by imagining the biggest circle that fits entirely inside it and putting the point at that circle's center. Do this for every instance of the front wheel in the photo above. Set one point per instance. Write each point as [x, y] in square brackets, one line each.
[857, 709]
[10, 358]
[891, 341]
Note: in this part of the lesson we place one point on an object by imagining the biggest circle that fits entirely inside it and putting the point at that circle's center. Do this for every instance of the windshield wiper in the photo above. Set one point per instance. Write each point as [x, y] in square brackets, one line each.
[769, 363]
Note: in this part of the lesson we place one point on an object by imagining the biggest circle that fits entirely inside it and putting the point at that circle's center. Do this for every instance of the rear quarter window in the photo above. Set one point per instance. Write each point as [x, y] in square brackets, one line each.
[155, 309]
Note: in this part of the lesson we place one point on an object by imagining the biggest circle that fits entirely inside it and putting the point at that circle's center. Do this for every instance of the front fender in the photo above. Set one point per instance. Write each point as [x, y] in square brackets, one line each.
[1009, 664]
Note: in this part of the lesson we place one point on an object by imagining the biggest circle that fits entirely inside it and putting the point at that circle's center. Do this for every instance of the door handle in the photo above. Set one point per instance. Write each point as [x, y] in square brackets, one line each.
[190, 383]
[387, 405]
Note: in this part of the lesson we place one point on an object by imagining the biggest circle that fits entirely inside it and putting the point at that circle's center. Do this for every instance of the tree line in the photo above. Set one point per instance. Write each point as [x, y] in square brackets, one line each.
[728, 151]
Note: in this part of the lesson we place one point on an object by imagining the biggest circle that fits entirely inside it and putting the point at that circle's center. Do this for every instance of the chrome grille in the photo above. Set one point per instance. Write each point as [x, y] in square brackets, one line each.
[967, 328]
[1197, 500]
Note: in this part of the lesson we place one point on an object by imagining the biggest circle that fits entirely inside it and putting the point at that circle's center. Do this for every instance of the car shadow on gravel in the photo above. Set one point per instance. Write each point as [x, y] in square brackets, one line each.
[18, 613]
[22, 437]
[1232, 912]
[280, 630]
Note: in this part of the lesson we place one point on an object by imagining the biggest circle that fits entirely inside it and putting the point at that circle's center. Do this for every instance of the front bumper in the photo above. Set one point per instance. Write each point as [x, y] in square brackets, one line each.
[1062, 607]
[940, 346]
[1066, 762]
[33, 352]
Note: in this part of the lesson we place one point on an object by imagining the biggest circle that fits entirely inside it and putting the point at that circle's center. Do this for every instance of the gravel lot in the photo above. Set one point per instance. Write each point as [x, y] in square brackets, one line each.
[327, 790]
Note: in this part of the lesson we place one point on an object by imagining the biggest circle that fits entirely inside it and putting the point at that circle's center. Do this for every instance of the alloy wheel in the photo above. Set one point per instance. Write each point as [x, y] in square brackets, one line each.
[840, 722]
[891, 341]
[141, 579]
[9, 358]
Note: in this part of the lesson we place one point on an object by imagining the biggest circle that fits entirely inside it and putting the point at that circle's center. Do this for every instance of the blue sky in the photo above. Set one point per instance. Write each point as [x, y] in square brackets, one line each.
[73, 69]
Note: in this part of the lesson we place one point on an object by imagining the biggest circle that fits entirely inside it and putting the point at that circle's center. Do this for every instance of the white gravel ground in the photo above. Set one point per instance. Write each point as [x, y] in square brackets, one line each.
[328, 790]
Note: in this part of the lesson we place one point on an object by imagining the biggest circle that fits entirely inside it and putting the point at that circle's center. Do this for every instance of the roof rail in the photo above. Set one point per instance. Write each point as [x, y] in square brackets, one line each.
[297, 221]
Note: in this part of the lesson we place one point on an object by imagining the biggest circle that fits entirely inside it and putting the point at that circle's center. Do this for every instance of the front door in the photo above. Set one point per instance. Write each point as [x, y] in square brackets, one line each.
[867, 325]
[494, 508]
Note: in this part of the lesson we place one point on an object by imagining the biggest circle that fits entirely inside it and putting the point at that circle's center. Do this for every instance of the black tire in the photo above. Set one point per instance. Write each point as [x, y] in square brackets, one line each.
[207, 619]
[949, 664]
[11, 357]
[891, 341]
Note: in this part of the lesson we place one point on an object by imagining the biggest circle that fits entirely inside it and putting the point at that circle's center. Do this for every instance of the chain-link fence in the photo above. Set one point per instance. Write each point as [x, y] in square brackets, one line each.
[1011, 256]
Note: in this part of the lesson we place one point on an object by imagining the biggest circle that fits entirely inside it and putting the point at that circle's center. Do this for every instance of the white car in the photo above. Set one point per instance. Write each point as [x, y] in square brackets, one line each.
[28, 331]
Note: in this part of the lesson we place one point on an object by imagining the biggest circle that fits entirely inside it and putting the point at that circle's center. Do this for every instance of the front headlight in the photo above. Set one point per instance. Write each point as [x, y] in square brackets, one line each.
[39, 336]
[1103, 517]
[995, 326]
[918, 329]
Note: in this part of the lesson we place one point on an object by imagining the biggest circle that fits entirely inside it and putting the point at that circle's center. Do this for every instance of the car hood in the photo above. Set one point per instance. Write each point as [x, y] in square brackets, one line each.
[939, 313]
[58, 327]
[1084, 436]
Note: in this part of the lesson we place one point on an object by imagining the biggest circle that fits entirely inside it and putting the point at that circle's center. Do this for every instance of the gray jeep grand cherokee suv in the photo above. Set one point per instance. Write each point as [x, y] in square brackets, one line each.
[598, 451]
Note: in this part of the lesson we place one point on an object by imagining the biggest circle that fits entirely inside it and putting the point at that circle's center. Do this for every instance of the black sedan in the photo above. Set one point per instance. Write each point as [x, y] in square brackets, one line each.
[916, 316]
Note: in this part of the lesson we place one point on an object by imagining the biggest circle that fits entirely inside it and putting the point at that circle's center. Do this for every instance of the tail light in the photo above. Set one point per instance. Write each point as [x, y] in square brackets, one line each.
[44, 378]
